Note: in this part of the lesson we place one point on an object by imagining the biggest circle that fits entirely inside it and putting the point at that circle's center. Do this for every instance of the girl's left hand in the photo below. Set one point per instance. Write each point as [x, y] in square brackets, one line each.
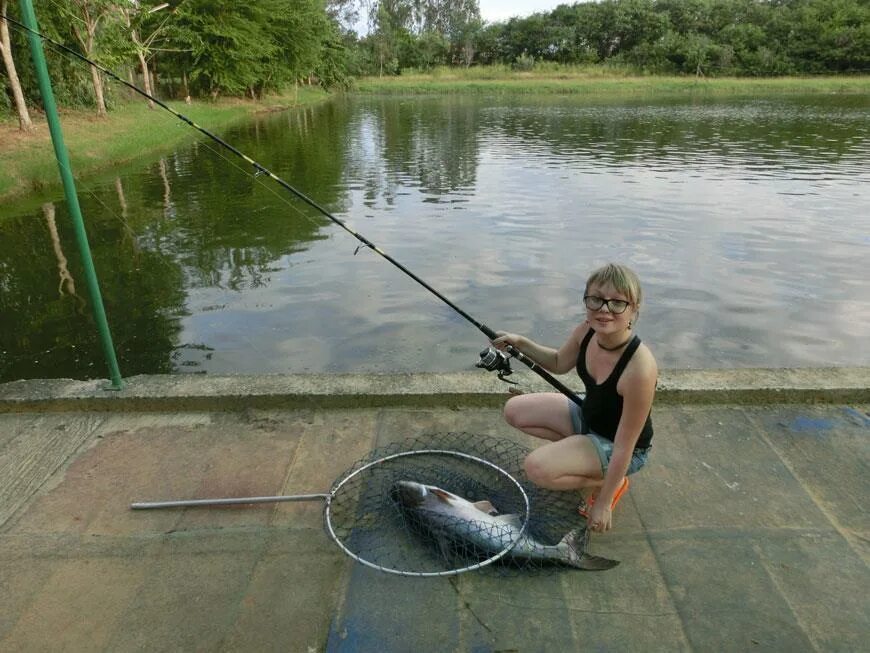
[600, 518]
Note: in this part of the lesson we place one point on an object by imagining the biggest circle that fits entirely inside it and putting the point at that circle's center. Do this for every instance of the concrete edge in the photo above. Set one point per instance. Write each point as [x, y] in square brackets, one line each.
[200, 392]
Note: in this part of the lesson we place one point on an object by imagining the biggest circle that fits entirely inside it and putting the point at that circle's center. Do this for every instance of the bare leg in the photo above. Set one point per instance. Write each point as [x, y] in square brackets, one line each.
[568, 461]
[543, 415]
[571, 463]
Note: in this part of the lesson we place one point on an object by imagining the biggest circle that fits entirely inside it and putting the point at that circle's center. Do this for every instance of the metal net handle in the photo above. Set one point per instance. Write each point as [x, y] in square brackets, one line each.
[233, 501]
[424, 574]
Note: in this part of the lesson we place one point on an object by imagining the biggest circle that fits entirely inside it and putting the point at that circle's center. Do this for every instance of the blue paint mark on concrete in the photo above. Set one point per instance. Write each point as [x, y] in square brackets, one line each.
[382, 612]
[858, 416]
[804, 424]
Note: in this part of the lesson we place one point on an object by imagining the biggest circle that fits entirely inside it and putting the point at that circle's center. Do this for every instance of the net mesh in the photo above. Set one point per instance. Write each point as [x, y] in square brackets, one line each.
[379, 514]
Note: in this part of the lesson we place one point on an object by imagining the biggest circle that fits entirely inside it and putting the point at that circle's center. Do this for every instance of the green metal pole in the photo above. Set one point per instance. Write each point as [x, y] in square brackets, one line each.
[72, 200]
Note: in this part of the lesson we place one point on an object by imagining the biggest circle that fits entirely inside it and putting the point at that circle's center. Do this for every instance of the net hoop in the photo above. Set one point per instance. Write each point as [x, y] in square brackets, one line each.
[427, 574]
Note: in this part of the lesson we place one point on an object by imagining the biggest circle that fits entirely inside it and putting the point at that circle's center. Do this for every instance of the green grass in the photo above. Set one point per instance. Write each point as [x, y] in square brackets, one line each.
[129, 132]
[600, 81]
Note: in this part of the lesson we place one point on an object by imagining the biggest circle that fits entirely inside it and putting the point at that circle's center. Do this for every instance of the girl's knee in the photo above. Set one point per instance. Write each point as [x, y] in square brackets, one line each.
[536, 469]
[512, 412]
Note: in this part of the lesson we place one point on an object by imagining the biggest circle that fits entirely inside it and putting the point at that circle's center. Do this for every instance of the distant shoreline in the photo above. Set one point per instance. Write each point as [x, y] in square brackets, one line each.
[597, 82]
[131, 130]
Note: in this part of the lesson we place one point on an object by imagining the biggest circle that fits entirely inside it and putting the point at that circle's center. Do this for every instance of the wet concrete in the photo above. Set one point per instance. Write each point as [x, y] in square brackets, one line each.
[747, 530]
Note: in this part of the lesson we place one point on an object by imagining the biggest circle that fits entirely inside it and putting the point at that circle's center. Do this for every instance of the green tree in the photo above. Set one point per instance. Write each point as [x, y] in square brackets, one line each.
[433, 48]
[90, 20]
[463, 24]
[245, 48]
[143, 32]
[25, 124]
[389, 26]
[829, 35]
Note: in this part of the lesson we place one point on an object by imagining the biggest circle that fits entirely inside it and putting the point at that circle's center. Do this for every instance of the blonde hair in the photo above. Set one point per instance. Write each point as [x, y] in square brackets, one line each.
[621, 278]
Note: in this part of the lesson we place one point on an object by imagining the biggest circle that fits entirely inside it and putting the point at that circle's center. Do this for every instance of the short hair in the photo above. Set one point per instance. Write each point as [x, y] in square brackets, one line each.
[620, 277]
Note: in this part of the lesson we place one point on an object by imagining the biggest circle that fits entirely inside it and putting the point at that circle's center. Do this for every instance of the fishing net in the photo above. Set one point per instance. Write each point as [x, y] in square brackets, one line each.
[367, 518]
[372, 524]
[445, 503]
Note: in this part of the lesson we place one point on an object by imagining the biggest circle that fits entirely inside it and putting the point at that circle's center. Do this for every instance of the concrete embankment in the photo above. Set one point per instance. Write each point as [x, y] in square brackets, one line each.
[200, 392]
[748, 529]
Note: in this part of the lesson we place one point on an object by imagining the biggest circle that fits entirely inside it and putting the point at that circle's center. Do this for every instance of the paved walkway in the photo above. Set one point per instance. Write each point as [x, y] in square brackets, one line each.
[747, 530]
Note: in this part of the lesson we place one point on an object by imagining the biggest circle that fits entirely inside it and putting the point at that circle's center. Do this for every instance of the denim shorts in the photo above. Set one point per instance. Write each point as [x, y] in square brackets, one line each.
[603, 446]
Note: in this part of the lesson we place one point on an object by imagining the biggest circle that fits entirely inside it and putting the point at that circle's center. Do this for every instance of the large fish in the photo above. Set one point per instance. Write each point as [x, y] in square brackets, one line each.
[479, 527]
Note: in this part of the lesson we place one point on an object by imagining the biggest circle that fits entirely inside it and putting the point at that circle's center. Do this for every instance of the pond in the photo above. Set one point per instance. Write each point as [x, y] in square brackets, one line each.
[746, 219]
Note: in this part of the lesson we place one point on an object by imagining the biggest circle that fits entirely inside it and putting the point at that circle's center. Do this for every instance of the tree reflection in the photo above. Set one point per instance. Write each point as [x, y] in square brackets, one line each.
[167, 188]
[48, 334]
[67, 285]
[433, 144]
[227, 229]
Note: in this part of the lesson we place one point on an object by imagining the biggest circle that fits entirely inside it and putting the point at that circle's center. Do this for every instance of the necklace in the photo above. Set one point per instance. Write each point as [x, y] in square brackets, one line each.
[620, 346]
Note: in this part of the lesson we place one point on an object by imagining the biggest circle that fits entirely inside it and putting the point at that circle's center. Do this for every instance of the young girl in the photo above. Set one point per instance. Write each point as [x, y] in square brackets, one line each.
[598, 446]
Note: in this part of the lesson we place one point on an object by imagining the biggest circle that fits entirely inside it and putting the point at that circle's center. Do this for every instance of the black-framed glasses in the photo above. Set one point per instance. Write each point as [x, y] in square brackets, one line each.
[615, 306]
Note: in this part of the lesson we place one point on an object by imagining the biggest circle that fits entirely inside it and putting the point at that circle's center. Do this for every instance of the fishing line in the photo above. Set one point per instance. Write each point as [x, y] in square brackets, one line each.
[497, 362]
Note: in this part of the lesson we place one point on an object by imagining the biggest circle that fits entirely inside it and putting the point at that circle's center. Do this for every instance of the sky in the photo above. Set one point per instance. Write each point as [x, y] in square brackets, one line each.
[497, 10]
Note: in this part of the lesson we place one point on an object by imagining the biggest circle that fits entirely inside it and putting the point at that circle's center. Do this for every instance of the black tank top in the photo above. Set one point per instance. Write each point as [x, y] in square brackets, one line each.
[602, 408]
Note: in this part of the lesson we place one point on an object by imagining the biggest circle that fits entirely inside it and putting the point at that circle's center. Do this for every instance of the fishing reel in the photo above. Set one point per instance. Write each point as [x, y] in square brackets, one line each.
[495, 360]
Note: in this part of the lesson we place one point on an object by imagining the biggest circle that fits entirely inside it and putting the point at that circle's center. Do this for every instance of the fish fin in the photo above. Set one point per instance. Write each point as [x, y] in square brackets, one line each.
[485, 506]
[510, 519]
[577, 539]
[575, 543]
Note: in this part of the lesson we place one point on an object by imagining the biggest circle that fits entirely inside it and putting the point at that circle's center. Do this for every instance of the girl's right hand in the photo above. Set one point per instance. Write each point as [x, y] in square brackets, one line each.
[504, 339]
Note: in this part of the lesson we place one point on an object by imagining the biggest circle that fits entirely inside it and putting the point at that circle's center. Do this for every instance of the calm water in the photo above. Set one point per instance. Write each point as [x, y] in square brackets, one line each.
[747, 221]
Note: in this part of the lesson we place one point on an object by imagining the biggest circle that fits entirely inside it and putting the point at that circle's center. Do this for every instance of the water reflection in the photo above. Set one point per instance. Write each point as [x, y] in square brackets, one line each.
[746, 220]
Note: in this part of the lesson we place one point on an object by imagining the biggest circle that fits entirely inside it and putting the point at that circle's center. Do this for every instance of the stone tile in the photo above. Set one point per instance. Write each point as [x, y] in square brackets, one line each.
[626, 608]
[292, 595]
[824, 584]
[22, 579]
[77, 607]
[726, 599]
[32, 449]
[709, 467]
[94, 493]
[400, 424]
[384, 612]
[191, 591]
[244, 459]
[330, 443]
[827, 448]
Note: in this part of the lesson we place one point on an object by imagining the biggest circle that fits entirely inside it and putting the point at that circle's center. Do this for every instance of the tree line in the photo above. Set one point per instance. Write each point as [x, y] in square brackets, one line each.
[212, 48]
[710, 37]
[178, 49]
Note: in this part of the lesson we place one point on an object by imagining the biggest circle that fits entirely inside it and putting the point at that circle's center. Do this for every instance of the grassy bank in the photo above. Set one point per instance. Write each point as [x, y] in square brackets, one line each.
[131, 130]
[602, 82]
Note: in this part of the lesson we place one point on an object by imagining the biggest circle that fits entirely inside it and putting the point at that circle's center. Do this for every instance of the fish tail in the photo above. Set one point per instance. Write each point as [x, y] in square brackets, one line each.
[574, 546]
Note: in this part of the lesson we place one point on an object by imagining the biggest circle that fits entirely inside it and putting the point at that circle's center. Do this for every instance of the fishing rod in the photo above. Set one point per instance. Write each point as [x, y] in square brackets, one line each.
[490, 358]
